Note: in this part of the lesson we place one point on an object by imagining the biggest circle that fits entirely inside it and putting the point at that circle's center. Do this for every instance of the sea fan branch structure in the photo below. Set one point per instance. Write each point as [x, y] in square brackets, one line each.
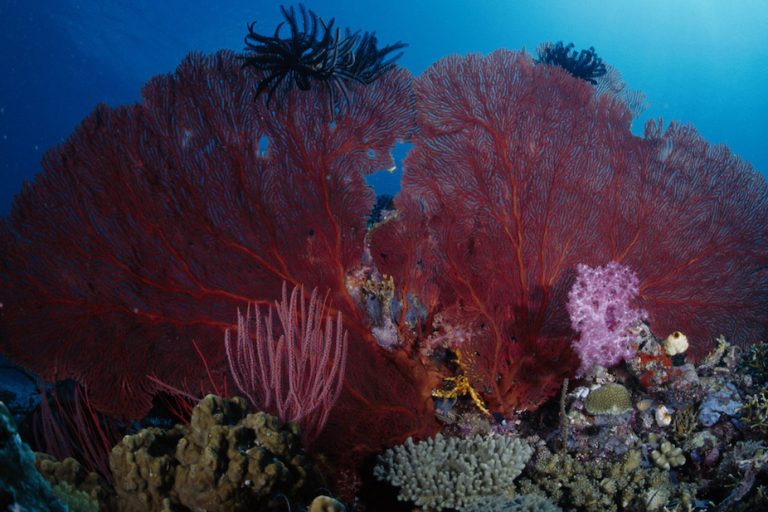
[519, 173]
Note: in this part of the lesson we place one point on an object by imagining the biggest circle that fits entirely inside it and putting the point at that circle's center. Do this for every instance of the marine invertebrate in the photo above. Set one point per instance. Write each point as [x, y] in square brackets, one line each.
[723, 400]
[455, 473]
[601, 311]
[663, 416]
[521, 503]
[684, 424]
[754, 411]
[326, 504]
[153, 222]
[21, 485]
[664, 454]
[300, 373]
[603, 485]
[66, 425]
[225, 459]
[518, 174]
[460, 386]
[585, 64]
[675, 344]
[608, 399]
[75, 481]
[315, 53]
[754, 361]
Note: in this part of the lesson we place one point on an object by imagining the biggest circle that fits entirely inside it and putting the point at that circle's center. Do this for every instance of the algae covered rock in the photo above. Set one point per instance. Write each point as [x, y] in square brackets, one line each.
[224, 460]
[521, 503]
[603, 485]
[326, 504]
[22, 487]
[74, 485]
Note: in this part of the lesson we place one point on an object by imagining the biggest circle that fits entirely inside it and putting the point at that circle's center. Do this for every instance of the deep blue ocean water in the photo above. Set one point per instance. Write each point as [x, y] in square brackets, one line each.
[698, 61]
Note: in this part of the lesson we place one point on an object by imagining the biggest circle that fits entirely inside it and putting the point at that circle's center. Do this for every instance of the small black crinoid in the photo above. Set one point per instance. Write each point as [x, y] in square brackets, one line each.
[584, 64]
[315, 53]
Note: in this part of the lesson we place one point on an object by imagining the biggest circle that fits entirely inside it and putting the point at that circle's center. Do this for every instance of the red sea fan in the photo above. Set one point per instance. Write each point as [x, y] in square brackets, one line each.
[152, 223]
[520, 172]
[692, 219]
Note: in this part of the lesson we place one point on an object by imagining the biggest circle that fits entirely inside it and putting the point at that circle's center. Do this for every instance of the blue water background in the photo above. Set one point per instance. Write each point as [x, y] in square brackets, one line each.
[699, 61]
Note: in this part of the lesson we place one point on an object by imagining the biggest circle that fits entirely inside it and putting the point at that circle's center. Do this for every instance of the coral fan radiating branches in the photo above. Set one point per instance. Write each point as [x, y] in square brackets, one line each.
[520, 172]
[703, 212]
[152, 223]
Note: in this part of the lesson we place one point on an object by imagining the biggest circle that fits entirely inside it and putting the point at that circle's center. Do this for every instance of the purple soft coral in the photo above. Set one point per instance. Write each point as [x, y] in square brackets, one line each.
[599, 305]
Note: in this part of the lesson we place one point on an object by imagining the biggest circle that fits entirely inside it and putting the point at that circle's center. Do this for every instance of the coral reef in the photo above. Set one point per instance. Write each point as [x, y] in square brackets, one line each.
[453, 473]
[601, 485]
[143, 259]
[120, 204]
[129, 253]
[307, 360]
[522, 503]
[71, 481]
[490, 228]
[22, 487]
[224, 460]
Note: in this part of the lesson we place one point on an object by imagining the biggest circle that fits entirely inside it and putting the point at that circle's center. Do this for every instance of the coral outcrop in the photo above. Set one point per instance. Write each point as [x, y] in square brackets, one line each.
[73, 483]
[224, 460]
[22, 487]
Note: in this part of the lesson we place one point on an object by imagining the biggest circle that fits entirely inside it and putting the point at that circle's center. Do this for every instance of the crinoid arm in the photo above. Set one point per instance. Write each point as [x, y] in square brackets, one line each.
[585, 64]
[314, 53]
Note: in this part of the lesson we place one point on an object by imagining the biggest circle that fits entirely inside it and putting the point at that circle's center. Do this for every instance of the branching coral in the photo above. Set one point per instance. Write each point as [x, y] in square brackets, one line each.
[755, 411]
[602, 485]
[453, 473]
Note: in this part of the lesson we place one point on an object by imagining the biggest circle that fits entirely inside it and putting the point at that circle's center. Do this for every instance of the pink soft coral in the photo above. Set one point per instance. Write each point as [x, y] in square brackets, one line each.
[600, 307]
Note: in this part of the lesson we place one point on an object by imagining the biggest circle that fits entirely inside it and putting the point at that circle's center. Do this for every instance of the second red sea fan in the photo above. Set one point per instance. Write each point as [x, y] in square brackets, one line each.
[520, 172]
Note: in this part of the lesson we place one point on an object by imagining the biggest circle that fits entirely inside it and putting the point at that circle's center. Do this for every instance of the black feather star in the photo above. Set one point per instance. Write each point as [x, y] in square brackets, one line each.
[584, 64]
[314, 52]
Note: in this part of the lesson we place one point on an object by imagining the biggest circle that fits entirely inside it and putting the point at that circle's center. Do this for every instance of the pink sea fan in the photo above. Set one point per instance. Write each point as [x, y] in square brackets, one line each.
[600, 307]
[301, 370]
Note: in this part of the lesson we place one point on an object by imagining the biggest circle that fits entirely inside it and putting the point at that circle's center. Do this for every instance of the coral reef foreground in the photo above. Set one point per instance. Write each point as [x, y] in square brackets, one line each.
[553, 313]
